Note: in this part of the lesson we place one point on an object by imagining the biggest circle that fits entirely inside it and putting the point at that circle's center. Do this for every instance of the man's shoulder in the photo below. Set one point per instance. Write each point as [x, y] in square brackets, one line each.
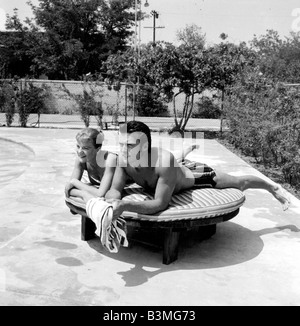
[111, 158]
[165, 158]
[166, 164]
[125, 168]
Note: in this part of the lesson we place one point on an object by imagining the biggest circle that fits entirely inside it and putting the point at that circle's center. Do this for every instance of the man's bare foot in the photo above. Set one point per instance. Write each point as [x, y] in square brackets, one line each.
[195, 147]
[189, 149]
[282, 196]
[186, 150]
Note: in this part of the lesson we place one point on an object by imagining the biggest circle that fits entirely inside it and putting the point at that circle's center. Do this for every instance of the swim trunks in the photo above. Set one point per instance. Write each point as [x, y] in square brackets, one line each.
[203, 174]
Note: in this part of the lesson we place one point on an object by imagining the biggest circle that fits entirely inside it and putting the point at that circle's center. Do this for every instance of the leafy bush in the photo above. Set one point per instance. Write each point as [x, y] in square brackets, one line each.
[88, 106]
[149, 103]
[86, 103]
[30, 99]
[9, 109]
[7, 101]
[206, 108]
[264, 121]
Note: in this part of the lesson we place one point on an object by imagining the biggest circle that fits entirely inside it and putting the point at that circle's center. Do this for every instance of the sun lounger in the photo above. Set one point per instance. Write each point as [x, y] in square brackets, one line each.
[201, 208]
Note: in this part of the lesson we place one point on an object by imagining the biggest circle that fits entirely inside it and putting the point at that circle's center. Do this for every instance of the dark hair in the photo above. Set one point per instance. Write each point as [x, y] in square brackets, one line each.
[137, 126]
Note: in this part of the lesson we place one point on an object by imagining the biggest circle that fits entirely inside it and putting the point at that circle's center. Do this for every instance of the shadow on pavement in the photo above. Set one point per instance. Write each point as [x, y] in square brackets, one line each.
[231, 245]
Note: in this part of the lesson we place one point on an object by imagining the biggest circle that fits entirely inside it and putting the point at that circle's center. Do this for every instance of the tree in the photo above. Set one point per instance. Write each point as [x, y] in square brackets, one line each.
[227, 62]
[185, 70]
[14, 60]
[189, 70]
[191, 36]
[291, 54]
[126, 67]
[173, 71]
[70, 38]
[168, 69]
[278, 59]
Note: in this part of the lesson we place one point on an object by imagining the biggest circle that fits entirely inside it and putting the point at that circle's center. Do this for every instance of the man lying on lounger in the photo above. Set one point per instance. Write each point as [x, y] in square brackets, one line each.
[156, 170]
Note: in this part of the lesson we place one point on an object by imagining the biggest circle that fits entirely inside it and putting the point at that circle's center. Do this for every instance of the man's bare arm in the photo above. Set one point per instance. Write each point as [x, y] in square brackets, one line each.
[163, 194]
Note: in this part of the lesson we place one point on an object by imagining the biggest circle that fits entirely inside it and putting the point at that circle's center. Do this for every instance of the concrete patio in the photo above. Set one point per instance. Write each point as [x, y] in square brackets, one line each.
[251, 260]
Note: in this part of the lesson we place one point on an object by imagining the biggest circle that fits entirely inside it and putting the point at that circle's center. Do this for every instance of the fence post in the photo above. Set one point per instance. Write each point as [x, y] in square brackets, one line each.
[133, 102]
[126, 98]
[222, 107]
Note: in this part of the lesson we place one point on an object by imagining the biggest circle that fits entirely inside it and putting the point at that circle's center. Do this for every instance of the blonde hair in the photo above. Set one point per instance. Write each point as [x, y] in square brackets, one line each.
[94, 135]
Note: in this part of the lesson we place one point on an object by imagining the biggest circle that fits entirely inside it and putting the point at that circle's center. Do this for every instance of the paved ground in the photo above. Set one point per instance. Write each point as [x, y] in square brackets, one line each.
[74, 121]
[251, 260]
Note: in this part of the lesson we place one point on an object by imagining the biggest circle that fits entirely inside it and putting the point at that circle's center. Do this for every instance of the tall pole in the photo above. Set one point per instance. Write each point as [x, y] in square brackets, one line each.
[126, 99]
[137, 46]
[154, 24]
[140, 31]
[139, 52]
[154, 27]
[135, 26]
[135, 53]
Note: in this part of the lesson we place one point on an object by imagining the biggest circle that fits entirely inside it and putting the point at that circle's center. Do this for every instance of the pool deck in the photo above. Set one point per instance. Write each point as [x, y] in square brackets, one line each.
[253, 259]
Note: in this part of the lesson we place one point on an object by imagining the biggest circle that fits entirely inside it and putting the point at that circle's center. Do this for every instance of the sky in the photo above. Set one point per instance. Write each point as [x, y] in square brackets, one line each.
[239, 19]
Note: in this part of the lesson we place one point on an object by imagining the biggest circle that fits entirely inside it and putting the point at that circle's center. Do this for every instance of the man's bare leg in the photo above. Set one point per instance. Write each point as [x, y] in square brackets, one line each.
[243, 183]
[185, 151]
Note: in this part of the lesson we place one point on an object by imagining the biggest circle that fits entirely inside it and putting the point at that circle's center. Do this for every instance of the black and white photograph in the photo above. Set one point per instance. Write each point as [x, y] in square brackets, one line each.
[149, 156]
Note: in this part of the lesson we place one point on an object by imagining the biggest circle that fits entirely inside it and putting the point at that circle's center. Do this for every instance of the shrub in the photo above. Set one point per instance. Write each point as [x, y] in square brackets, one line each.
[99, 114]
[7, 101]
[87, 104]
[9, 109]
[30, 99]
[149, 103]
[206, 108]
[264, 122]
[88, 107]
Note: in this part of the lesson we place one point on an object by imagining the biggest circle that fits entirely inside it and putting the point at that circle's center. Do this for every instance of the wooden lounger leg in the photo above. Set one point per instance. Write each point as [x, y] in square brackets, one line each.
[171, 244]
[207, 231]
[88, 229]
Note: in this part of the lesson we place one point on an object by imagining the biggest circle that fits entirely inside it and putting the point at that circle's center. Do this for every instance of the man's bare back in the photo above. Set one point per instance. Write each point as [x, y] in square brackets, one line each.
[159, 173]
[161, 160]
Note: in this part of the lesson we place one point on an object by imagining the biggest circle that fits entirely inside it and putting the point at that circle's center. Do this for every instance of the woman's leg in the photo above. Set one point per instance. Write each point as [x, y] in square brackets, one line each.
[245, 182]
[84, 195]
[79, 185]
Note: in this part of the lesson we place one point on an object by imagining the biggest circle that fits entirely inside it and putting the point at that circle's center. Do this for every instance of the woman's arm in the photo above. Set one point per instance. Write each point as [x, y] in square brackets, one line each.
[118, 184]
[76, 175]
[108, 175]
[77, 171]
[78, 185]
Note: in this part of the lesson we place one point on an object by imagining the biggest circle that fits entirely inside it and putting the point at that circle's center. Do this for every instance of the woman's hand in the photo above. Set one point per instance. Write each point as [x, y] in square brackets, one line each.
[68, 187]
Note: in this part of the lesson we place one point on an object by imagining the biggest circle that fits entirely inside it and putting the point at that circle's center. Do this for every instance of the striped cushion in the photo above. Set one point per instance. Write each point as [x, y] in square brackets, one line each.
[190, 204]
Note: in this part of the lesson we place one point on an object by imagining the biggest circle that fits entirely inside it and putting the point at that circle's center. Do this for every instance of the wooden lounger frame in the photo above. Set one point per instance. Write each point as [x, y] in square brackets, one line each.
[172, 230]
